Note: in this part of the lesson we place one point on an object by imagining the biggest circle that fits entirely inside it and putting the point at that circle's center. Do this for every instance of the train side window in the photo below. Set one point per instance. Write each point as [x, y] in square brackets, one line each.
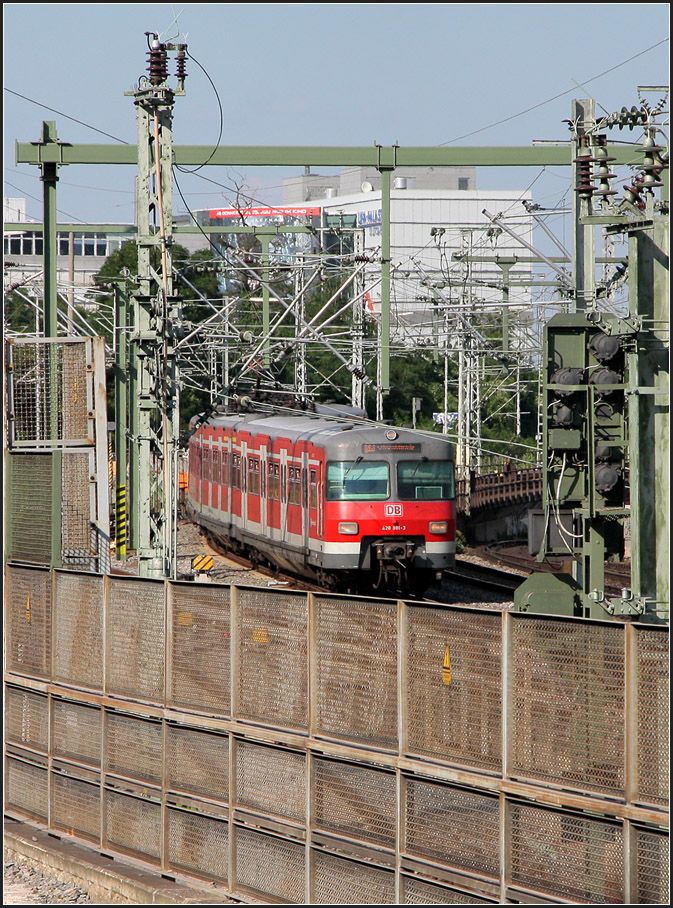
[225, 468]
[206, 464]
[313, 491]
[216, 465]
[253, 476]
[236, 471]
[274, 481]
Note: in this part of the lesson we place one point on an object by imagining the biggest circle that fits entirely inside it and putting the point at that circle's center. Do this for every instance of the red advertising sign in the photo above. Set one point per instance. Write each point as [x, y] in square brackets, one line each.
[270, 212]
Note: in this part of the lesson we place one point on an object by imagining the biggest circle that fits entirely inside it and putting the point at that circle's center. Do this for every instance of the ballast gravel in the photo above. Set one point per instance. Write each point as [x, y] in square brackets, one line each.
[22, 882]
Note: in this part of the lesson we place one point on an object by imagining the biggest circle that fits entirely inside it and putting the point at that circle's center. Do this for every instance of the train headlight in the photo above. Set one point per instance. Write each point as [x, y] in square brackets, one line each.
[349, 528]
[439, 527]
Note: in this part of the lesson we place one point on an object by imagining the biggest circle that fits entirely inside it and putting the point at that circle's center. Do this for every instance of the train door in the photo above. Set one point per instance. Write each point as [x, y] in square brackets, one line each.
[253, 495]
[215, 481]
[244, 484]
[225, 477]
[263, 498]
[304, 499]
[205, 476]
[283, 495]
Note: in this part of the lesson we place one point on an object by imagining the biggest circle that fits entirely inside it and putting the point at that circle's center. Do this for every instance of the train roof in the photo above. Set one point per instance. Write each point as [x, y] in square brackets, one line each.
[342, 433]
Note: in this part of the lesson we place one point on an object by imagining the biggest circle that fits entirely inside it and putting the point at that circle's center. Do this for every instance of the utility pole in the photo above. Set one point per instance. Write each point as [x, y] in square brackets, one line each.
[156, 313]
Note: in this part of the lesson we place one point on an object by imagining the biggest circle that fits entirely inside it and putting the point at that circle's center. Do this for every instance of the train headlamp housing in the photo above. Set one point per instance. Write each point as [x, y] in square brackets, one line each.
[349, 528]
[438, 527]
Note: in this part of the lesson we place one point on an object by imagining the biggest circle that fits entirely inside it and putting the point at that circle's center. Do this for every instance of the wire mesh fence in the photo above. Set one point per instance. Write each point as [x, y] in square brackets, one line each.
[304, 748]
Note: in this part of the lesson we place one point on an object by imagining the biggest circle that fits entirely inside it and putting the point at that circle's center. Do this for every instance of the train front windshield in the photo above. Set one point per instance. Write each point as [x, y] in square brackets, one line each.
[425, 480]
[358, 480]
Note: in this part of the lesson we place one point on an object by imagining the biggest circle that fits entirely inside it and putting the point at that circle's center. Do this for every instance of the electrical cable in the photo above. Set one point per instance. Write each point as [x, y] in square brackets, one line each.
[556, 97]
[61, 114]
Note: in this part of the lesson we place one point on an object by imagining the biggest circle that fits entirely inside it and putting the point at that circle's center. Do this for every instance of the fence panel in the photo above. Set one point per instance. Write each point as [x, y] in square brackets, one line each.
[567, 690]
[29, 621]
[453, 685]
[78, 629]
[135, 631]
[199, 653]
[652, 769]
[272, 658]
[398, 790]
[356, 670]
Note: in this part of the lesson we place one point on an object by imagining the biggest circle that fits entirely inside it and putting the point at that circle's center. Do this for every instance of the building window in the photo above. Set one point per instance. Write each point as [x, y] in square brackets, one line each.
[463, 183]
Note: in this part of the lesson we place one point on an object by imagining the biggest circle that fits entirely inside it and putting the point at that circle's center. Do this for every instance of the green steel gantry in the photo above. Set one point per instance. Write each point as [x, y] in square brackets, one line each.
[153, 388]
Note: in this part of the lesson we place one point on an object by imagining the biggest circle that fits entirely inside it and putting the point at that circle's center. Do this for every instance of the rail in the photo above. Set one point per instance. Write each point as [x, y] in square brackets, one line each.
[323, 749]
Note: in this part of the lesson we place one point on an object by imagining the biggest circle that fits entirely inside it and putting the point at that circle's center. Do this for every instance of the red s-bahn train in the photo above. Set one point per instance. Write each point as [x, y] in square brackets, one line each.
[354, 506]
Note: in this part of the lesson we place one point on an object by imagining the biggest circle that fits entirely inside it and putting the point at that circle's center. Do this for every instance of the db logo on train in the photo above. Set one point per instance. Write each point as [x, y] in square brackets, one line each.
[393, 510]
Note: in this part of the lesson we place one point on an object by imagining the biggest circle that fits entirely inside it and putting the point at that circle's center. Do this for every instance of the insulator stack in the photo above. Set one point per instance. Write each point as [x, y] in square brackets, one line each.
[603, 174]
[585, 185]
[632, 193]
[158, 64]
[181, 72]
[653, 165]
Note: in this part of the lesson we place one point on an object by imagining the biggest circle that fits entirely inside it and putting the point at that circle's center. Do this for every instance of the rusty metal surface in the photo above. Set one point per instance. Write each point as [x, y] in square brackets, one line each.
[76, 806]
[29, 508]
[576, 857]
[197, 762]
[26, 788]
[452, 826]
[271, 780]
[421, 892]
[26, 718]
[135, 629]
[29, 621]
[354, 801]
[653, 870]
[133, 748]
[76, 731]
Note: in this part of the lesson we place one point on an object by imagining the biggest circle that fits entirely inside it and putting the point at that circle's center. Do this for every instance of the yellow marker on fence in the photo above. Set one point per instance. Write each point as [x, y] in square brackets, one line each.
[446, 669]
[121, 523]
[28, 608]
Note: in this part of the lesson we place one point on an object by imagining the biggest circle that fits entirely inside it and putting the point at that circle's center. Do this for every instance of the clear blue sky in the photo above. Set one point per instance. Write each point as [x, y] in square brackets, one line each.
[319, 74]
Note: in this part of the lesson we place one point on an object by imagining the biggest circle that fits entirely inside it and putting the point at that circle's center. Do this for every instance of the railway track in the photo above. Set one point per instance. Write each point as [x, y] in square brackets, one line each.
[514, 554]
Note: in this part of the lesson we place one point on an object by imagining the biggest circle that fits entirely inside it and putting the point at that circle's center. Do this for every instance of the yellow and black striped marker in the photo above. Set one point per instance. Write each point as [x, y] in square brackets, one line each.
[120, 522]
[202, 563]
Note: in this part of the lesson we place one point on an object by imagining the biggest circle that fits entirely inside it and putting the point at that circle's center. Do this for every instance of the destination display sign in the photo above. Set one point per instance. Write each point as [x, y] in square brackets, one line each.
[392, 447]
